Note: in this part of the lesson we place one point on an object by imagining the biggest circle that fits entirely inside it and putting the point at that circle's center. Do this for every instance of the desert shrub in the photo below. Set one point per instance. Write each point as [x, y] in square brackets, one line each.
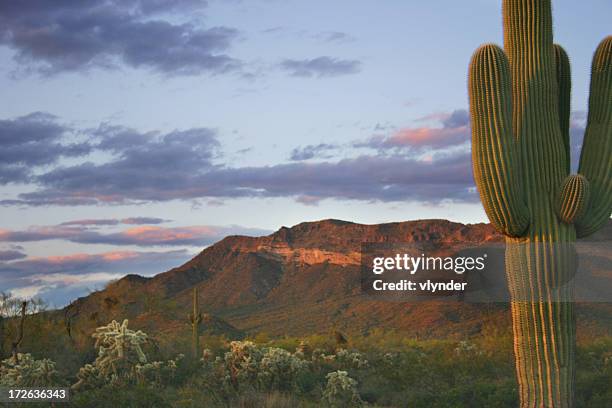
[467, 349]
[279, 369]
[594, 374]
[157, 372]
[341, 391]
[352, 359]
[247, 366]
[113, 396]
[241, 363]
[28, 372]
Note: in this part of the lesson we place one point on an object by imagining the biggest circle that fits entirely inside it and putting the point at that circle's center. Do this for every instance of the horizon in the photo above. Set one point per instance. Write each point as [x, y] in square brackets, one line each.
[136, 135]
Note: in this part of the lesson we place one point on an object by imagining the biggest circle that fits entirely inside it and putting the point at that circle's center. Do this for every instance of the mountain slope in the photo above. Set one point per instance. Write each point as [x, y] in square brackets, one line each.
[303, 280]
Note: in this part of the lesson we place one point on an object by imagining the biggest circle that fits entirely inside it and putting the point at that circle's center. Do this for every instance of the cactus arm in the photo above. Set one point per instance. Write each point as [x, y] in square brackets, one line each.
[494, 151]
[596, 155]
[564, 84]
[573, 199]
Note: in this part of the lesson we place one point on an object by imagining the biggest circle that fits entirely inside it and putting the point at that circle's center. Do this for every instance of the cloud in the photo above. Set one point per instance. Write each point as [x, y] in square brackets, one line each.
[456, 119]
[61, 278]
[367, 177]
[454, 131]
[139, 236]
[312, 151]
[320, 67]
[149, 164]
[11, 255]
[140, 167]
[273, 30]
[334, 36]
[58, 36]
[115, 221]
[33, 140]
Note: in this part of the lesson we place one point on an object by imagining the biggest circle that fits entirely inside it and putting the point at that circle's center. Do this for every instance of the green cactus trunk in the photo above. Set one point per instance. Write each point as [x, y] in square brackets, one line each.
[520, 107]
[195, 318]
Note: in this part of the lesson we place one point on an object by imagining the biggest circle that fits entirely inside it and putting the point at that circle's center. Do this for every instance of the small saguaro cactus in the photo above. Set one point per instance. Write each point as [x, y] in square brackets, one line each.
[520, 114]
[195, 318]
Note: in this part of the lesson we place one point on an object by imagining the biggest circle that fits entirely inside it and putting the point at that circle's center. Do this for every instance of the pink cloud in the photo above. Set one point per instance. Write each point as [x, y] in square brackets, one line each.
[145, 235]
[159, 236]
[453, 130]
[428, 137]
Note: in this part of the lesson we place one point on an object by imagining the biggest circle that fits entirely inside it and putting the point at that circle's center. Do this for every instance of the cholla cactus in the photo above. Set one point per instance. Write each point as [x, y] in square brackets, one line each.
[27, 372]
[352, 359]
[520, 112]
[319, 357]
[242, 362]
[341, 391]
[89, 377]
[279, 369]
[467, 349]
[119, 350]
[266, 368]
[157, 372]
[114, 341]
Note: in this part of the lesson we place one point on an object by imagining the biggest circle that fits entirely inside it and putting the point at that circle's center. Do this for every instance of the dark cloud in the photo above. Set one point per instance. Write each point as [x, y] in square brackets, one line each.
[456, 119]
[147, 164]
[380, 177]
[371, 178]
[154, 167]
[54, 36]
[143, 220]
[33, 140]
[320, 67]
[11, 255]
[13, 174]
[200, 235]
[312, 151]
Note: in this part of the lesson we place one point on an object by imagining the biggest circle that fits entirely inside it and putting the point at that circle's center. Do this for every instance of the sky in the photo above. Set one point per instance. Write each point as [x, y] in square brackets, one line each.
[134, 133]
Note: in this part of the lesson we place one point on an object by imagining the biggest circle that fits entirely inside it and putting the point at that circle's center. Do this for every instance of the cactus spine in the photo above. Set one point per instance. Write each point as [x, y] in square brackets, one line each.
[520, 107]
[195, 318]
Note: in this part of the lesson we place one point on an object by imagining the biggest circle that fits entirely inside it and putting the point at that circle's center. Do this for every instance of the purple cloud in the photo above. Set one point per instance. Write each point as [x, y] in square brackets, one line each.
[312, 151]
[56, 36]
[116, 221]
[11, 255]
[33, 140]
[185, 165]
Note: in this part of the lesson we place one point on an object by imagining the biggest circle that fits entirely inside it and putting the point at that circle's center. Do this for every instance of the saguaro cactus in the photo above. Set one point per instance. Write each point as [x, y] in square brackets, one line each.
[195, 318]
[520, 107]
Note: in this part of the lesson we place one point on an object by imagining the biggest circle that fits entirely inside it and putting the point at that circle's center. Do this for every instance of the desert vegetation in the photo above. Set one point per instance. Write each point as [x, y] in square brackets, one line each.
[121, 366]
